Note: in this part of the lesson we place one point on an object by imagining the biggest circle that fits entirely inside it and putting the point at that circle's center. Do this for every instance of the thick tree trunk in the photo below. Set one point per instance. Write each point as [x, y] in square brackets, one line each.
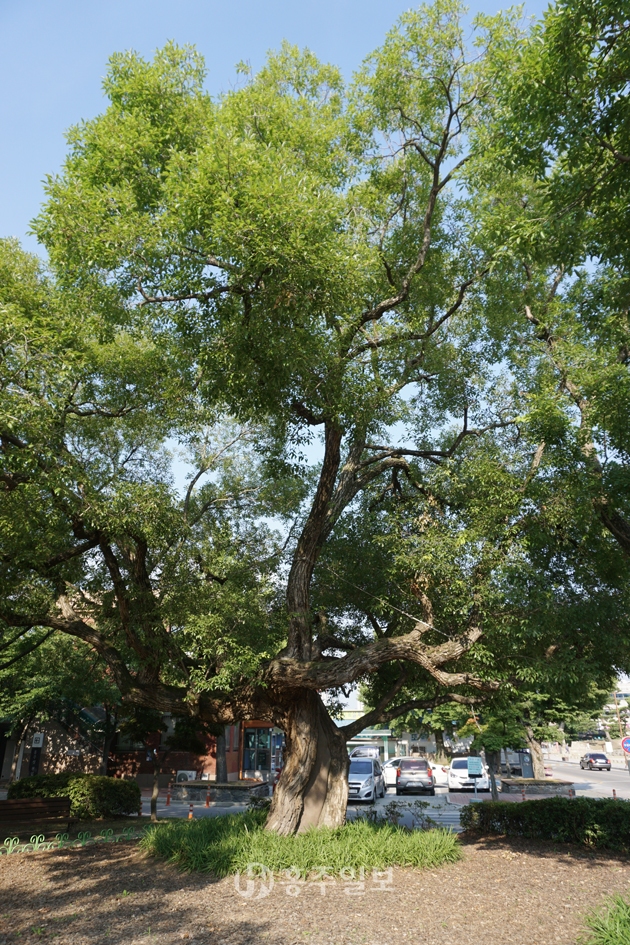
[535, 748]
[221, 769]
[313, 788]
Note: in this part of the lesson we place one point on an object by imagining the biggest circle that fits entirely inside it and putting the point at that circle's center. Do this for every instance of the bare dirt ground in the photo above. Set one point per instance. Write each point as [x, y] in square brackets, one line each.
[504, 893]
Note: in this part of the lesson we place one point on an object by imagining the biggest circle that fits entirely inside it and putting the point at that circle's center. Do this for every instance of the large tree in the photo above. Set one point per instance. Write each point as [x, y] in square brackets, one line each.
[303, 259]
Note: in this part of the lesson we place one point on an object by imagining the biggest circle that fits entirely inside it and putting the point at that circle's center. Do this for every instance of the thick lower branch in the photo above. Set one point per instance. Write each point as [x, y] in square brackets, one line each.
[286, 672]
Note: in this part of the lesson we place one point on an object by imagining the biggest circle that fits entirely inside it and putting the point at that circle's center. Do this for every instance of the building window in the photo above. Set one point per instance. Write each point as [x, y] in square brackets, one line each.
[235, 737]
[126, 743]
[257, 749]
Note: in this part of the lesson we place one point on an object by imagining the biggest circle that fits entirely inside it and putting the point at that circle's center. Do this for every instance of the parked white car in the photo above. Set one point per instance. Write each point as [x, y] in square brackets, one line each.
[440, 774]
[458, 779]
[389, 771]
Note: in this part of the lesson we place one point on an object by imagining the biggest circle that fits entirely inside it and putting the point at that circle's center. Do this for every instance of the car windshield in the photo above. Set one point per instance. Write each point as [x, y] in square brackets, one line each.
[360, 767]
[414, 765]
[599, 757]
[460, 763]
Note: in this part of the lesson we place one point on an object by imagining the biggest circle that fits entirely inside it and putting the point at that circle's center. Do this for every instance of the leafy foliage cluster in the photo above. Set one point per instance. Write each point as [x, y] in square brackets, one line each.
[419, 279]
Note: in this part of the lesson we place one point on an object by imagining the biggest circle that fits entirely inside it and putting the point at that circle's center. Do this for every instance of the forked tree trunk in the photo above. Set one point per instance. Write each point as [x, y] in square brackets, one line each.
[313, 788]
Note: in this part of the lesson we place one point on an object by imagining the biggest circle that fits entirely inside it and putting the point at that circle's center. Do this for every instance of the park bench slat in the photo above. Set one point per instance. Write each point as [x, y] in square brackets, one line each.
[35, 802]
[37, 805]
[18, 812]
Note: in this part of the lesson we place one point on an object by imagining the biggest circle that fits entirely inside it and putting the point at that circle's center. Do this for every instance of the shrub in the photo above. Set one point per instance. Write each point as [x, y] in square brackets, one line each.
[593, 822]
[91, 795]
[224, 845]
[610, 925]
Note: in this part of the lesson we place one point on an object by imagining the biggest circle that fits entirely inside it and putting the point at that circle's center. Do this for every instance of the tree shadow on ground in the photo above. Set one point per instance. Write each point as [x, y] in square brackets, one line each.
[545, 849]
[114, 894]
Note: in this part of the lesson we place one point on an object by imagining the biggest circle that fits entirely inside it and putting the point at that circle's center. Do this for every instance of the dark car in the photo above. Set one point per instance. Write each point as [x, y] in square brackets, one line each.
[595, 759]
[414, 774]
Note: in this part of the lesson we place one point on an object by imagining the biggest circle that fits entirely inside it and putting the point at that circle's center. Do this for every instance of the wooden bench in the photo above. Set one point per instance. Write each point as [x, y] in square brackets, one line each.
[19, 814]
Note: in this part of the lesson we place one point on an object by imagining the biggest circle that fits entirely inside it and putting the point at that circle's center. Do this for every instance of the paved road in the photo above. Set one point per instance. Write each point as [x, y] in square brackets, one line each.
[440, 811]
[180, 809]
[593, 783]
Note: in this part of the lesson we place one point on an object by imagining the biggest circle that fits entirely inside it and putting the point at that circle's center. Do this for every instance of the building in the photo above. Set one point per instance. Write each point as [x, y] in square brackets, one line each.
[253, 751]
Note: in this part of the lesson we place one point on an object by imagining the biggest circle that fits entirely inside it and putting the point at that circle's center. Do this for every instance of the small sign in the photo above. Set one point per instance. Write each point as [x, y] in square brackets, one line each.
[475, 767]
[38, 740]
[625, 744]
[33, 764]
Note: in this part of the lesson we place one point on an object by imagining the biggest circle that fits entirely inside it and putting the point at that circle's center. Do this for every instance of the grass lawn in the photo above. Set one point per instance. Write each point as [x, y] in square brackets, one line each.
[609, 925]
[225, 845]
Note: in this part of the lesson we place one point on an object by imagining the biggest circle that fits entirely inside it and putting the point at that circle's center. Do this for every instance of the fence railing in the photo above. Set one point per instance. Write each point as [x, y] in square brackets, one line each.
[38, 842]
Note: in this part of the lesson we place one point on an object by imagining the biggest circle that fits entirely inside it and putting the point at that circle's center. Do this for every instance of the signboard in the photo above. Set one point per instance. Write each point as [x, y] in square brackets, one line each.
[38, 740]
[475, 767]
[625, 744]
[33, 764]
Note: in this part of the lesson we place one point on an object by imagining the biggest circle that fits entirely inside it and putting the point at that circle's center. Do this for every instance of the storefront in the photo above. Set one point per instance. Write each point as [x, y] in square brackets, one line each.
[261, 751]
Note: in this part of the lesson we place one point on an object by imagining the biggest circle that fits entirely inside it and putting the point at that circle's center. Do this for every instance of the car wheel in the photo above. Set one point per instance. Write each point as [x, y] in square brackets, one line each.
[397, 792]
[590, 767]
[432, 792]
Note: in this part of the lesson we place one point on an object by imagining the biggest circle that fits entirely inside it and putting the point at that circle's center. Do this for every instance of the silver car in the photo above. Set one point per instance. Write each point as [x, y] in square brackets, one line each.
[414, 774]
[365, 780]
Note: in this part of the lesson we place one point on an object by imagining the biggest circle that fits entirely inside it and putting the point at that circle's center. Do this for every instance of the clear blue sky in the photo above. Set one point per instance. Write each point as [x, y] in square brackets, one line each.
[53, 55]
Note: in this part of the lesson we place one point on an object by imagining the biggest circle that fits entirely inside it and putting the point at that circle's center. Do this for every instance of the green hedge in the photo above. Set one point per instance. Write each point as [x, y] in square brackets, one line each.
[593, 822]
[92, 795]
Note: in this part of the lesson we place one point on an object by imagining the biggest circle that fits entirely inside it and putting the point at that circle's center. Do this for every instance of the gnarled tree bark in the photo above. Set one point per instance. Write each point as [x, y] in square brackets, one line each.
[313, 787]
